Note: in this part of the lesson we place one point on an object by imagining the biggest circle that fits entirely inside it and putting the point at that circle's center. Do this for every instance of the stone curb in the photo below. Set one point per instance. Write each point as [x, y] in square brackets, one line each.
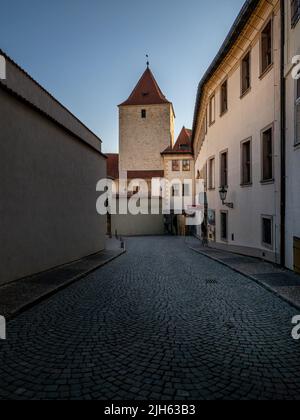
[249, 276]
[57, 289]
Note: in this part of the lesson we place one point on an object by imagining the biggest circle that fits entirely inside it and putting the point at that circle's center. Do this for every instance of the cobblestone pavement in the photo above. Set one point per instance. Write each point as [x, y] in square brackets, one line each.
[161, 322]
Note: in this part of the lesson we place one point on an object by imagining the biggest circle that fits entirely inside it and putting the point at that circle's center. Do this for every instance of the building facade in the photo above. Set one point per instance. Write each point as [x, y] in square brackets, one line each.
[179, 166]
[146, 128]
[237, 135]
[292, 134]
[50, 164]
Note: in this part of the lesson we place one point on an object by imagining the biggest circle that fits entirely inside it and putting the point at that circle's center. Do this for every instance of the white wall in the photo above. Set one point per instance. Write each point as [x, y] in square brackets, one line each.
[246, 117]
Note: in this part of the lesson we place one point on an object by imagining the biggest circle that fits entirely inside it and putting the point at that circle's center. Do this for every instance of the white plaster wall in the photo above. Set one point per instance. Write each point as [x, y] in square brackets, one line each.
[246, 118]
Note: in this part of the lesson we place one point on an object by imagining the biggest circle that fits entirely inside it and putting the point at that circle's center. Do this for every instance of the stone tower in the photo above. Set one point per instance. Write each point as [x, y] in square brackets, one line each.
[146, 129]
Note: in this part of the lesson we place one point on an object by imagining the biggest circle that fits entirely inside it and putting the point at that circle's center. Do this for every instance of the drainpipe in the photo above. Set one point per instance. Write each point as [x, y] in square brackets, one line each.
[283, 139]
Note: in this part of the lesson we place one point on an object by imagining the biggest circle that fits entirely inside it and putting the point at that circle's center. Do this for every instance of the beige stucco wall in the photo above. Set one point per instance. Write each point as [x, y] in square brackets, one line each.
[137, 225]
[173, 176]
[48, 192]
[245, 119]
[141, 141]
[292, 48]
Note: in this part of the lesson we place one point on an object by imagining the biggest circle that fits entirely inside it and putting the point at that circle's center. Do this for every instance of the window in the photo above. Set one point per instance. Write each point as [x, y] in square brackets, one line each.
[246, 73]
[212, 110]
[224, 169]
[246, 162]
[295, 12]
[185, 190]
[186, 165]
[224, 97]
[211, 174]
[176, 190]
[144, 113]
[224, 226]
[267, 47]
[297, 114]
[206, 121]
[175, 165]
[267, 158]
[267, 231]
[184, 147]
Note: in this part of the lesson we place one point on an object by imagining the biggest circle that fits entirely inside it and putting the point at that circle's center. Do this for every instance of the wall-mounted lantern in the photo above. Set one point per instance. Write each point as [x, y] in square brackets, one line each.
[223, 195]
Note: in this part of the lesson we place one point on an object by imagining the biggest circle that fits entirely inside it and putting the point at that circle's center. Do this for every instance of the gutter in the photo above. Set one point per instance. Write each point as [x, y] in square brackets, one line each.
[283, 138]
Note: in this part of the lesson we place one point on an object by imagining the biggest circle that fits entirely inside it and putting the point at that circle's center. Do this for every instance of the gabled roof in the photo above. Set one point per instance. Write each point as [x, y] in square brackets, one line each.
[113, 165]
[183, 144]
[146, 92]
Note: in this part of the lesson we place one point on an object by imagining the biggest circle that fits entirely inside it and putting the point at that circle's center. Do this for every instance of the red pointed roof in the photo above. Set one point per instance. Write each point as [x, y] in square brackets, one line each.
[183, 144]
[146, 92]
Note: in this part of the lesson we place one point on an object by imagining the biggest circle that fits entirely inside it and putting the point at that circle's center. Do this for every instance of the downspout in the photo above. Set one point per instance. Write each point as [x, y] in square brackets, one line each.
[283, 139]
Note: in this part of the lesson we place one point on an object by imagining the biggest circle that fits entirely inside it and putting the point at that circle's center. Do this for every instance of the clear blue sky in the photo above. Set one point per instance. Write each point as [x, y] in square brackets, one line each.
[90, 53]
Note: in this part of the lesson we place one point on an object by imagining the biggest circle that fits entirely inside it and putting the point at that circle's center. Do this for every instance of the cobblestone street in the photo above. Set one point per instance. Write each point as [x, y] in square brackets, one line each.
[160, 322]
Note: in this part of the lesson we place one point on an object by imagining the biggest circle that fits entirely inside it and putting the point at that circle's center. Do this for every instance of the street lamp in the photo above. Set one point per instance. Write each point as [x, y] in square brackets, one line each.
[223, 195]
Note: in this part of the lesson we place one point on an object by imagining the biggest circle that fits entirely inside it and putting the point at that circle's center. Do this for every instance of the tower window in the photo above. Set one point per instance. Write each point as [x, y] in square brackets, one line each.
[175, 165]
[186, 165]
[144, 113]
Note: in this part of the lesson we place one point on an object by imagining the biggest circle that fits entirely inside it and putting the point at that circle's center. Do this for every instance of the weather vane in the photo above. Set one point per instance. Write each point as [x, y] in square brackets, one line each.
[147, 56]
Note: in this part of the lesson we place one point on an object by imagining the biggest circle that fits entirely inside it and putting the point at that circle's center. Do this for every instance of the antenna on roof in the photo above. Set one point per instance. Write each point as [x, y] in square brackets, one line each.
[148, 63]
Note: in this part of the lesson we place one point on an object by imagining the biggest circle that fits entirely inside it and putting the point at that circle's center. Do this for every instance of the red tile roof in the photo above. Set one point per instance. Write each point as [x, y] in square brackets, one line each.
[113, 165]
[183, 144]
[145, 174]
[146, 92]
